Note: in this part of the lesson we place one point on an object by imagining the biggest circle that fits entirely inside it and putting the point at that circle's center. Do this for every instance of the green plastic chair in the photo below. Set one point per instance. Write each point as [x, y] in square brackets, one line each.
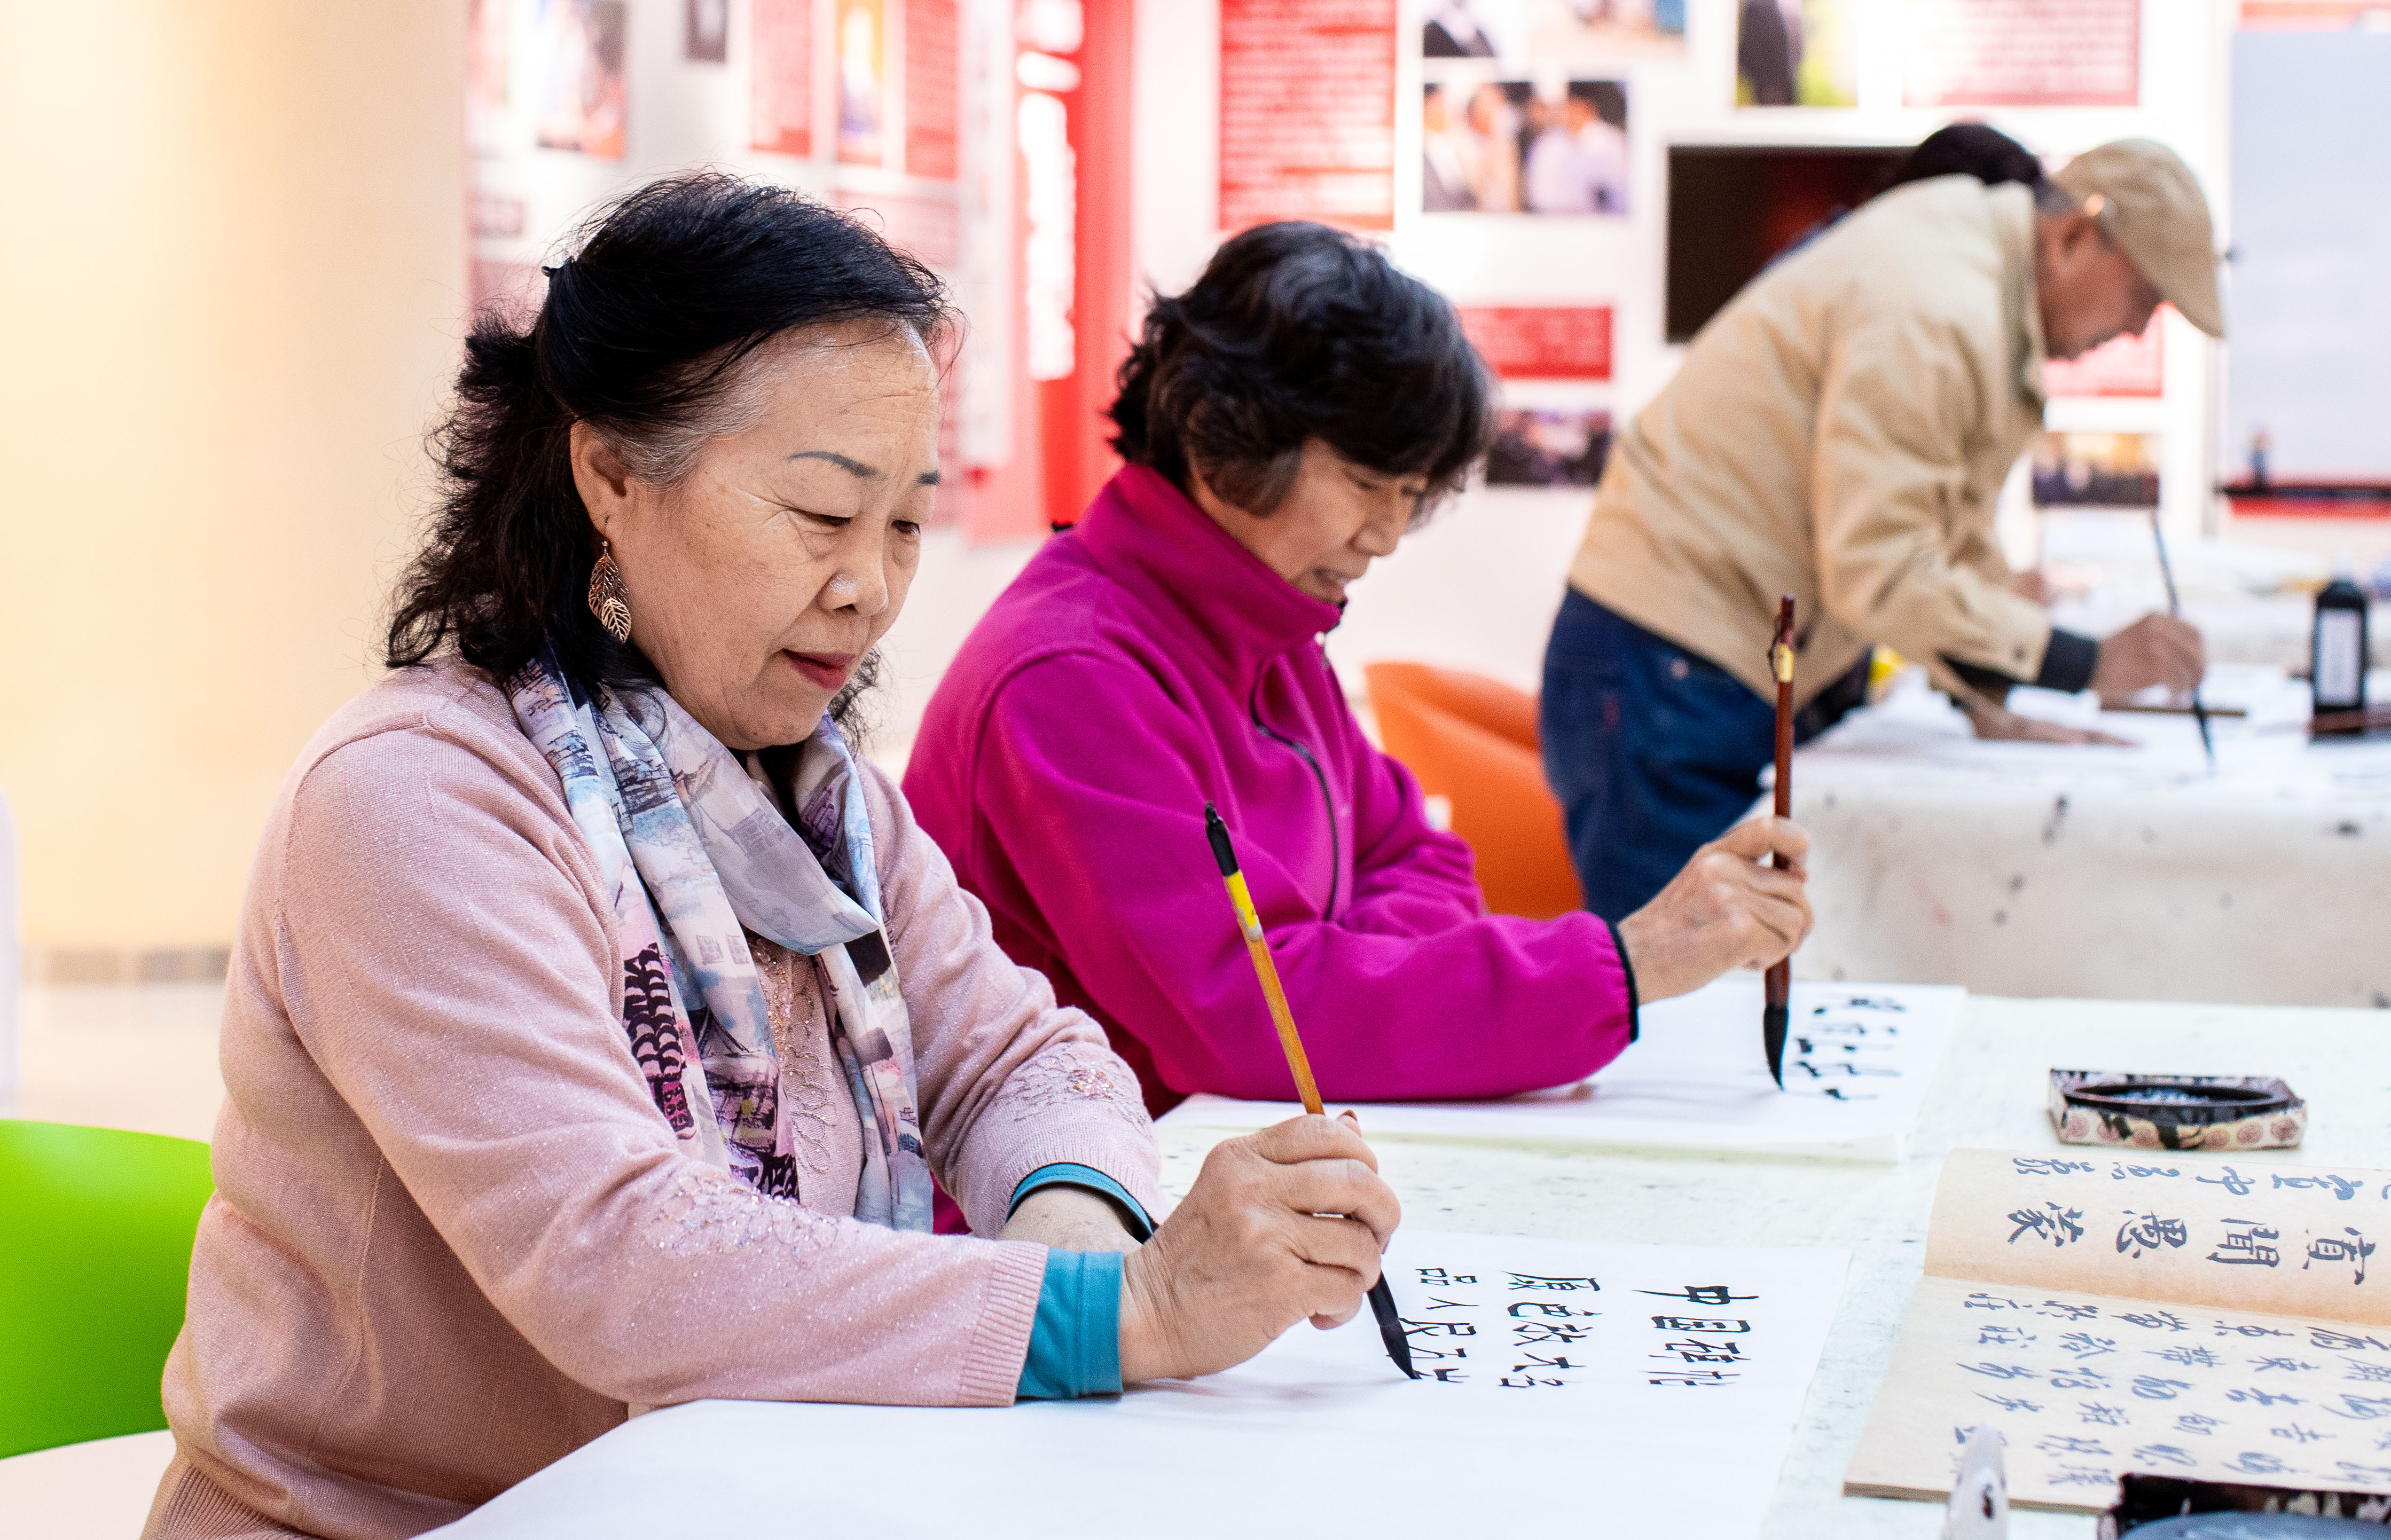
[96, 1229]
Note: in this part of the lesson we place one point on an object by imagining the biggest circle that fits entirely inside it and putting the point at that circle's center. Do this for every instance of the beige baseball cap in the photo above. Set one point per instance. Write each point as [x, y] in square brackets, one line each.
[2152, 207]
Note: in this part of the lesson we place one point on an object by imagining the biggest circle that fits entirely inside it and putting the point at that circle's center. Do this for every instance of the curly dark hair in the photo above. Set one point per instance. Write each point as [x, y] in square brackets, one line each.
[1298, 331]
[646, 334]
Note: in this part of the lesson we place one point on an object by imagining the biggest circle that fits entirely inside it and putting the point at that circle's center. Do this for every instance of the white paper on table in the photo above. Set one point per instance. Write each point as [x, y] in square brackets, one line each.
[1858, 1058]
[1661, 1399]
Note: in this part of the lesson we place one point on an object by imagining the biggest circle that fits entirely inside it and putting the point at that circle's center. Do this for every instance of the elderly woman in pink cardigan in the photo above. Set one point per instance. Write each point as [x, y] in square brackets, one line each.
[599, 1024]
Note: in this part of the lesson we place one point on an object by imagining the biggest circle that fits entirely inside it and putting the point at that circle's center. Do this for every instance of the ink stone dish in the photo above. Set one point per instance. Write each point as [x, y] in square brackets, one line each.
[2218, 1112]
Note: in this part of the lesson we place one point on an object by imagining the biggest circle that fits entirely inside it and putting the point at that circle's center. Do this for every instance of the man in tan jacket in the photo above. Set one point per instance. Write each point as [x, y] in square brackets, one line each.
[1840, 433]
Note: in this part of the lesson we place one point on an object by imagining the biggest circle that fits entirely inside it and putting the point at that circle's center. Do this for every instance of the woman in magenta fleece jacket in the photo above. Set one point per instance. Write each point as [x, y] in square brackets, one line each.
[1284, 421]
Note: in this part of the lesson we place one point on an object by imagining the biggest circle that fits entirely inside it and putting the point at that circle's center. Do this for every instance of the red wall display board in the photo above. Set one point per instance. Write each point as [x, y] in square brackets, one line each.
[2322, 14]
[1557, 341]
[2123, 366]
[932, 88]
[1307, 112]
[2022, 52]
[782, 77]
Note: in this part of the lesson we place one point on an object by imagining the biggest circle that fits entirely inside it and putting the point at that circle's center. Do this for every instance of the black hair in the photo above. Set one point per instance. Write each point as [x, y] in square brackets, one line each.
[1978, 149]
[644, 334]
[1297, 331]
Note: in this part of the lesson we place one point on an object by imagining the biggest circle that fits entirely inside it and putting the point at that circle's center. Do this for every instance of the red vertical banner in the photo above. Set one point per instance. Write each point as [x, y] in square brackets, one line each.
[1070, 304]
[932, 88]
[1079, 458]
[780, 92]
[1307, 112]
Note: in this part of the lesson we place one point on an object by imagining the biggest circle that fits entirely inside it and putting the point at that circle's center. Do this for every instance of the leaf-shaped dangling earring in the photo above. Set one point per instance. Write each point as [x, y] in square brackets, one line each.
[607, 600]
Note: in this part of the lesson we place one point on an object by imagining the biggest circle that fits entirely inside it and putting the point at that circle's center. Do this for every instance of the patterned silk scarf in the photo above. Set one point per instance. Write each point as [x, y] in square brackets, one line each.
[680, 830]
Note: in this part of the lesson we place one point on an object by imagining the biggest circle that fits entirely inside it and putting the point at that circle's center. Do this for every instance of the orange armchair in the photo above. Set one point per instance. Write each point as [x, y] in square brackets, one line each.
[1472, 740]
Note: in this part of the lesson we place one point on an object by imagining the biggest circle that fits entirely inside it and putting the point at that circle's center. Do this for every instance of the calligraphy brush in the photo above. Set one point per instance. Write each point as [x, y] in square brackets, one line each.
[2174, 608]
[1780, 978]
[1382, 1298]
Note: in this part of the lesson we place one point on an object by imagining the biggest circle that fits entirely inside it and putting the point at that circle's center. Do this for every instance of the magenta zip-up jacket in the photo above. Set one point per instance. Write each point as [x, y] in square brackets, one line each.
[1145, 663]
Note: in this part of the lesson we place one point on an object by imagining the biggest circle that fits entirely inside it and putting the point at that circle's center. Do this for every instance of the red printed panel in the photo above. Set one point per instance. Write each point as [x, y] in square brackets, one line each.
[929, 228]
[2022, 52]
[2123, 366]
[1307, 112]
[2307, 15]
[932, 88]
[781, 90]
[1557, 341]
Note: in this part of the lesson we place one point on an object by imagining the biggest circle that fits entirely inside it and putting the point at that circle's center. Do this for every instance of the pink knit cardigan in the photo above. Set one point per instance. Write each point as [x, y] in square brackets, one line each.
[452, 1238]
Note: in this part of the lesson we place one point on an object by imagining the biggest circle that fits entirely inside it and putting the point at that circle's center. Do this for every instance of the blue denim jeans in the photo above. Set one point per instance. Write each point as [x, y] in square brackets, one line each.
[1653, 751]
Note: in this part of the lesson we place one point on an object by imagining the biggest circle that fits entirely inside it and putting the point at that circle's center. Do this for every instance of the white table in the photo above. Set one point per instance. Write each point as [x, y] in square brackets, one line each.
[1991, 1088]
[2030, 869]
[2270, 631]
[2253, 603]
[1989, 1092]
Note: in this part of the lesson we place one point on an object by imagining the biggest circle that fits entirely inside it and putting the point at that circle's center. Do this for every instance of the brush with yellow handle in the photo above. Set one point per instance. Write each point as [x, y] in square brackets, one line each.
[1382, 1299]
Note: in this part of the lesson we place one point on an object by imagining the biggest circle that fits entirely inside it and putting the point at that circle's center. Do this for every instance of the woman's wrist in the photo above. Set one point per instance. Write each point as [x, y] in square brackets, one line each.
[1145, 1350]
[1070, 1219]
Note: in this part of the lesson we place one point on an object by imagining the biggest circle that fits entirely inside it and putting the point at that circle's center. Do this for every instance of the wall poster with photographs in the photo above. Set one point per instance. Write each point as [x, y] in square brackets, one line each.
[1797, 53]
[1555, 32]
[578, 46]
[1491, 145]
[1522, 106]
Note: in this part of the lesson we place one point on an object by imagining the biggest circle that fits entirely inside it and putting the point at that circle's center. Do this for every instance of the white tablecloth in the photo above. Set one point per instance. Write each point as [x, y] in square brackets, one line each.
[1989, 1092]
[2029, 869]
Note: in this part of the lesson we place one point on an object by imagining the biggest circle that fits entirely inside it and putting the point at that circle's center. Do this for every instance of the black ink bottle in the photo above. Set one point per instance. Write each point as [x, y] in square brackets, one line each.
[2337, 646]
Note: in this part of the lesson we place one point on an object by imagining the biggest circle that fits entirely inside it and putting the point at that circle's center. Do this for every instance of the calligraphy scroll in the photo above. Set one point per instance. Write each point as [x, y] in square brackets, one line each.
[1857, 1065]
[2175, 1314]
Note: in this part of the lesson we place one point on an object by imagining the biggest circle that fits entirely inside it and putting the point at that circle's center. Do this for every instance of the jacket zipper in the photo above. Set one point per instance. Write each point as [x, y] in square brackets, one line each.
[1335, 846]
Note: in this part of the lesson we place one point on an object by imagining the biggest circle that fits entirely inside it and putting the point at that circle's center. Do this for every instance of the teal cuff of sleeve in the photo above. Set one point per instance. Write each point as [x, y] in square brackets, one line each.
[1066, 1173]
[1075, 1343]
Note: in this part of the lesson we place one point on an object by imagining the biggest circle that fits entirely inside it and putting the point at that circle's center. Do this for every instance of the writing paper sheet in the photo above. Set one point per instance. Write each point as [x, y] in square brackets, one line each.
[2175, 1314]
[1569, 1388]
[1858, 1058]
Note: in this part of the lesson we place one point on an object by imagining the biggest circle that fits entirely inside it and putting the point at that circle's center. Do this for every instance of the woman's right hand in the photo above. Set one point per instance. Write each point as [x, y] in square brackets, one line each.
[1724, 910]
[1257, 1246]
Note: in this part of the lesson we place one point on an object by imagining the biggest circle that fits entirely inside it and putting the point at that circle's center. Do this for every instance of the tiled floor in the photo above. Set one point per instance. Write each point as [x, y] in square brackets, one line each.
[136, 1056]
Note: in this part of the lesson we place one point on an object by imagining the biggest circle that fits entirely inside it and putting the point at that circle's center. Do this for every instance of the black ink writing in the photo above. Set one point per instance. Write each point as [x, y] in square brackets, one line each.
[2048, 1223]
[2354, 1250]
[2250, 1246]
[2142, 1232]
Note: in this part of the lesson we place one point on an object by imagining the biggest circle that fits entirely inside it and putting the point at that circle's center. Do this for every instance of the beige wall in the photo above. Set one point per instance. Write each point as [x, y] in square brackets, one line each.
[232, 264]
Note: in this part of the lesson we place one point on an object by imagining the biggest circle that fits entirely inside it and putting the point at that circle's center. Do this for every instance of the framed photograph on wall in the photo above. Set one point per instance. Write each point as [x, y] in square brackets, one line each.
[582, 97]
[1797, 53]
[1512, 147]
[1553, 32]
[862, 81]
[706, 30]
